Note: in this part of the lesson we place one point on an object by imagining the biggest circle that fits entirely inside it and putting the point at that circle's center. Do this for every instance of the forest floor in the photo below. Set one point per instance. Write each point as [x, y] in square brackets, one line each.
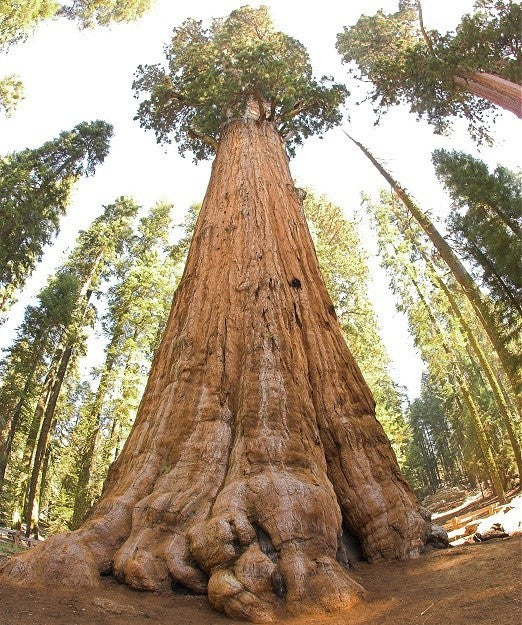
[475, 584]
[472, 583]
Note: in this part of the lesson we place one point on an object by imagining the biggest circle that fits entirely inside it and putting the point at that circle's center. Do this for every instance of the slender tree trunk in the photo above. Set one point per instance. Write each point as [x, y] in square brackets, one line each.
[510, 364]
[485, 448]
[468, 332]
[30, 516]
[43, 484]
[82, 499]
[485, 368]
[11, 421]
[495, 89]
[255, 450]
[34, 429]
[460, 377]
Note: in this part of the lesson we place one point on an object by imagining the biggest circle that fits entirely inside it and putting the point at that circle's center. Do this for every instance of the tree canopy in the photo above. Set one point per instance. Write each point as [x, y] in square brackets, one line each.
[425, 69]
[486, 222]
[212, 73]
[35, 186]
[88, 13]
[18, 18]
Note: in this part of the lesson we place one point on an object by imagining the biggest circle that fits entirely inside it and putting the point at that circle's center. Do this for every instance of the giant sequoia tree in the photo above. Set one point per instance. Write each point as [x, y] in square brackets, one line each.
[441, 75]
[255, 459]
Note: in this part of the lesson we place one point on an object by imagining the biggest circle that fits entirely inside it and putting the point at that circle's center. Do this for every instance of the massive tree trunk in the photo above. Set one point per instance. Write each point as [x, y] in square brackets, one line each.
[255, 457]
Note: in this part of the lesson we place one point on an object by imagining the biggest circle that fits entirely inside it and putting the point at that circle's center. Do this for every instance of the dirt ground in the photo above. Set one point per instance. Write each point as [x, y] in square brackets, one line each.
[475, 584]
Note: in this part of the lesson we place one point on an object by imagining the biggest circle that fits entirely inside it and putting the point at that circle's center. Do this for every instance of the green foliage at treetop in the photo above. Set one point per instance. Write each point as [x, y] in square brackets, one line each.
[88, 13]
[408, 66]
[18, 18]
[212, 73]
[35, 187]
[11, 92]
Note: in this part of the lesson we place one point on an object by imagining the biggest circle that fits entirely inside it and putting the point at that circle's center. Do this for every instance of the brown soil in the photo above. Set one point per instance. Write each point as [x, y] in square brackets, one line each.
[478, 584]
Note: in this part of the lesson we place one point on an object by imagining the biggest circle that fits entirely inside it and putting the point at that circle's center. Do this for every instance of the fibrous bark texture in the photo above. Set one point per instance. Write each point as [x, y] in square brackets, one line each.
[495, 89]
[256, 458]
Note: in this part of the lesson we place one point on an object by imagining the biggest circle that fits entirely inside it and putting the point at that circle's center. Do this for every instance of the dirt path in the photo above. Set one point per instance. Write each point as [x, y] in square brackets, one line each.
[468, 585]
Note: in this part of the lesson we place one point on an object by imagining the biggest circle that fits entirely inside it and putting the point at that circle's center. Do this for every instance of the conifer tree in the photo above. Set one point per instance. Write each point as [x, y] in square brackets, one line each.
[486, 223]
[137, 309]
[436, 333]
[25, 361]
[35, 187]
[441, 76]
[480, 302]
[90, 261]
[256, 444]
[454, 304]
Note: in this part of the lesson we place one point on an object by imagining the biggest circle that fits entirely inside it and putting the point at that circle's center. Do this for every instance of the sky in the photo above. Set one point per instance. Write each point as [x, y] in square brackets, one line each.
[72, 76]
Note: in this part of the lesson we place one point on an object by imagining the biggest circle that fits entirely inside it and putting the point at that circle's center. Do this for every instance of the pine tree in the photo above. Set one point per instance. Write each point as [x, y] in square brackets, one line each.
[137, 310]
[90, 261]
[22, 367]
[435, 332]
[486, 223]
[479, 301]
[35, 187]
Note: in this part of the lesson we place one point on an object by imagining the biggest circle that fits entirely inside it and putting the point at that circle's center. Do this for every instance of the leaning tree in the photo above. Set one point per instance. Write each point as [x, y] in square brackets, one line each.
[441, 76]
[256, 467]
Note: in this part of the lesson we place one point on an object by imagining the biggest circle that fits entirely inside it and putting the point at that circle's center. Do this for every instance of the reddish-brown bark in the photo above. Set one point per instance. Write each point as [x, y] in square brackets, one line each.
[255, 453]
[495, 89]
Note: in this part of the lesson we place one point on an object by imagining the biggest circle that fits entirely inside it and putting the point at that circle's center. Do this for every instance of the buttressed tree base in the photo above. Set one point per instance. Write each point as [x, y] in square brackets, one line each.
[256, 462]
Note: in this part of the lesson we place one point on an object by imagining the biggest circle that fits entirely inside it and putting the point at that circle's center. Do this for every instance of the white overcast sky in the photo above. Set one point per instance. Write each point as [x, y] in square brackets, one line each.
[72, 76]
